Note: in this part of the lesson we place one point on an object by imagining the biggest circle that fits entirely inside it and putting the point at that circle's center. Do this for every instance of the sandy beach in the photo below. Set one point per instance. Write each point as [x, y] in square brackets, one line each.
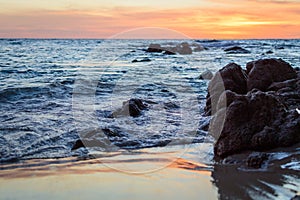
[148, 174]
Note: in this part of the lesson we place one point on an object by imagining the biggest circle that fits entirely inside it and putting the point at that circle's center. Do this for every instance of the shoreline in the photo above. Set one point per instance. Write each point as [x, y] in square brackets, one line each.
[187, 176]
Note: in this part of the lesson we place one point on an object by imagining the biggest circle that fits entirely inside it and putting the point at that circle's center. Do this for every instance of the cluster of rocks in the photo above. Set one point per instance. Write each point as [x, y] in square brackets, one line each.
[183, 48]
[254, 109]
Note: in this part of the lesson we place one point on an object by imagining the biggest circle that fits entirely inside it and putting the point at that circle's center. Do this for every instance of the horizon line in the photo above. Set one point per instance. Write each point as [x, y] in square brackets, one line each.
[75, 38]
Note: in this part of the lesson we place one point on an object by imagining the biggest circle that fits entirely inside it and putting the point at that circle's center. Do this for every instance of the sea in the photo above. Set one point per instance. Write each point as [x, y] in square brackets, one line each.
[54, 92]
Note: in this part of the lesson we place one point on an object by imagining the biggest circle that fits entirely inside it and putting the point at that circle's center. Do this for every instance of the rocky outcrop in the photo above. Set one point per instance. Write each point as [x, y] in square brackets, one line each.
[254, 109]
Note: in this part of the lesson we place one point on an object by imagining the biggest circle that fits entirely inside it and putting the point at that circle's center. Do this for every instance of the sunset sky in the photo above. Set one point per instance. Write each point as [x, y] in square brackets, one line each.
[209, 19]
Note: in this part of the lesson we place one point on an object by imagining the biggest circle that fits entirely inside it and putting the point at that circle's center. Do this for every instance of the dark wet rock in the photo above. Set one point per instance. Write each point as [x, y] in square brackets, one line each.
[89, 143]
[256, 116]
[262, 73]
[257, 121]
[169, 52]
[207, 41]
[236, 49]
[206, 75]
[154, 48]
[141, 60]
[132, 107]
[231, 77]
[183, 48]
[296, 197]
[269, 52]
[171, 105]
[257, 159]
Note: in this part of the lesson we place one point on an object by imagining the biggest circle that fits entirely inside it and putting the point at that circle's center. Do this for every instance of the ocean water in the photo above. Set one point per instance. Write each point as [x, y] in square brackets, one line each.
[54, 92]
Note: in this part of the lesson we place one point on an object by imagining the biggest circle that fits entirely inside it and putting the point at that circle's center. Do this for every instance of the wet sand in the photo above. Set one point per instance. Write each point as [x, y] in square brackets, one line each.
[174, 173]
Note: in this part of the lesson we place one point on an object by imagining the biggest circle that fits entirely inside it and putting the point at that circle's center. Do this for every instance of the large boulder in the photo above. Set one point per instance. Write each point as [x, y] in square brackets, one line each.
[254, 112]
[231, 77]
[262, 73]
[257, 121]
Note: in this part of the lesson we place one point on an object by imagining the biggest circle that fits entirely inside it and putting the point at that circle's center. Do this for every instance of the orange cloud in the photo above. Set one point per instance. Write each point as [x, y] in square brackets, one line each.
[249, 19]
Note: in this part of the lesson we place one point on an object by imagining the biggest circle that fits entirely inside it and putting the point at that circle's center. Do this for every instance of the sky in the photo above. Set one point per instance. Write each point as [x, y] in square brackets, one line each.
[202, 19]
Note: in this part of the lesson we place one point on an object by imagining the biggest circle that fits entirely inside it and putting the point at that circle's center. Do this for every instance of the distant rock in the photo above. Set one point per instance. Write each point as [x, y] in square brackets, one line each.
[183, 48]
[206, 75]
[256, 109]
[154, 48]
[169, 52]
[236, 49]
[197, 47]
[141, 60]
[269, 52]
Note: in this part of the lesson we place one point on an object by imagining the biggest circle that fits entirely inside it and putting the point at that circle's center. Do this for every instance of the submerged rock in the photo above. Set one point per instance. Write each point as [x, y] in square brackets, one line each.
[256, 109]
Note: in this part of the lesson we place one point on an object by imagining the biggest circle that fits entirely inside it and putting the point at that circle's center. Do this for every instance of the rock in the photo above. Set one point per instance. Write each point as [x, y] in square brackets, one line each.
[257, 121]
[206, 75]
[231, 77]
[169, 52]
[90, 143]
[256, 160]
[197, 47]
[184, 48]
[262, 73]
[132, 107]
[269, 52]
[142, 60]
[236, 49]
[154, 48]
[296, 197]
[255, 112]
